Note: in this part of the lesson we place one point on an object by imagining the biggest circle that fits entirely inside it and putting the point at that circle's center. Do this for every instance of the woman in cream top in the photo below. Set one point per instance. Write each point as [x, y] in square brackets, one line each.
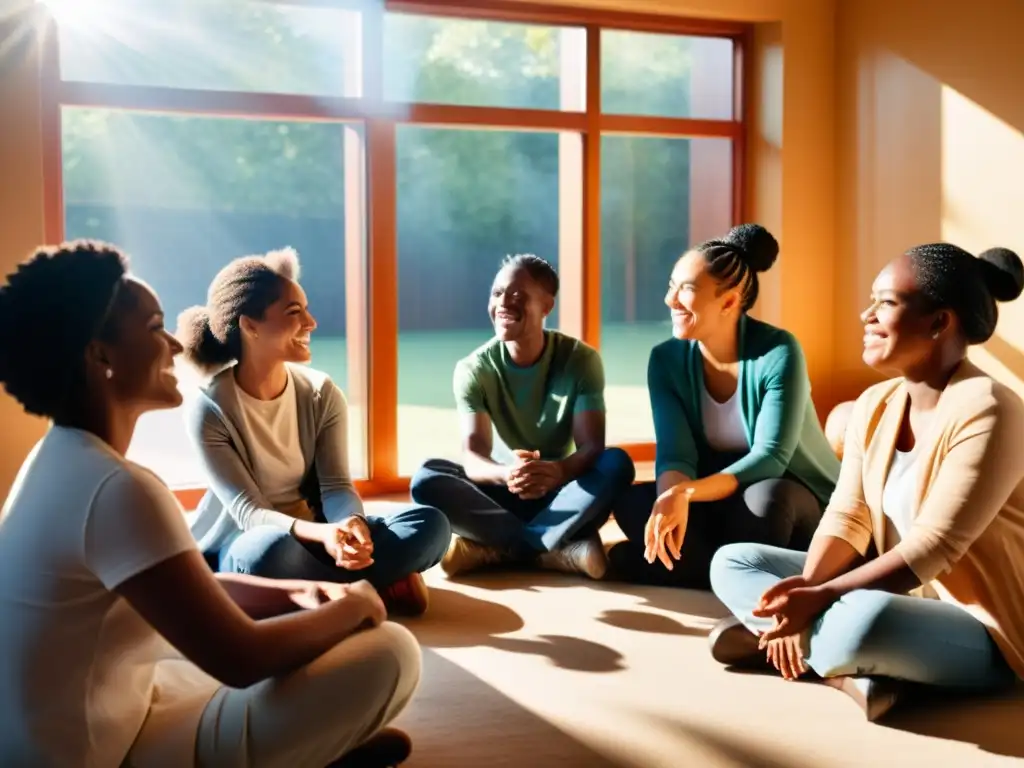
[931, 493]
[272, 434]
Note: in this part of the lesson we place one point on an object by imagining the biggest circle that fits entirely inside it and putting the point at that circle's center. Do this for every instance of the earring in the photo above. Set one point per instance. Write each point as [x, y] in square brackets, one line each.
[935, 335]
[109, 373]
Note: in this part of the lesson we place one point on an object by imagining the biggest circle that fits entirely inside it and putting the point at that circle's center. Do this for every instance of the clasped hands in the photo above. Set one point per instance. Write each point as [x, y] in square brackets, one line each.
[532, 477]
[793, 604]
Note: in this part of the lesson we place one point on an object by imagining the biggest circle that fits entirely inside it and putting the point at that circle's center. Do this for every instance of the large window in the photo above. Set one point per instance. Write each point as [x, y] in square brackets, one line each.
[404, 149]
[184, 194]
[658, 197]
[465, 200]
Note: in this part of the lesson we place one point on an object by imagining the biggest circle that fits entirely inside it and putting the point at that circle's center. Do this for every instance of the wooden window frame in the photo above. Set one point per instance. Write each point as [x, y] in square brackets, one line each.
[371, 283]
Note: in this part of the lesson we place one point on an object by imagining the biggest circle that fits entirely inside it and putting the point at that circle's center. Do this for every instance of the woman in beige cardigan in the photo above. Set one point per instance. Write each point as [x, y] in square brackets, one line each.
[929, 504]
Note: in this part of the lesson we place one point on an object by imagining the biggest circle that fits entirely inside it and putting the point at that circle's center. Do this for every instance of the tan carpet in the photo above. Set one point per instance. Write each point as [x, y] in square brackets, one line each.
[536, 670]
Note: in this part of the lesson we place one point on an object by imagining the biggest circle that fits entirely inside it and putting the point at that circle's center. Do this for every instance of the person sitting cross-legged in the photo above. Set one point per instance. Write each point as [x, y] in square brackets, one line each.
[119, 645]
[272, 434]
[741, 455]
[541, 495]
[916, 573]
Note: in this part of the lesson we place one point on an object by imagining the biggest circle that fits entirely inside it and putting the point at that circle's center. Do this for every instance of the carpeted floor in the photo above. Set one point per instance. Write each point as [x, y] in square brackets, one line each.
[536, 670]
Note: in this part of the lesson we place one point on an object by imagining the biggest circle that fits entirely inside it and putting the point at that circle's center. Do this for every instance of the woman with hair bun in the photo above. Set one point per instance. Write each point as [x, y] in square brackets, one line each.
[929, 504]
[741, 455]
[273, 436]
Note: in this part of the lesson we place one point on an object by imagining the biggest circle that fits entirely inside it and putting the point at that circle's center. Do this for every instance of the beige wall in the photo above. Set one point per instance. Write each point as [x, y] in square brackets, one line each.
[21, 212]
[929, 144]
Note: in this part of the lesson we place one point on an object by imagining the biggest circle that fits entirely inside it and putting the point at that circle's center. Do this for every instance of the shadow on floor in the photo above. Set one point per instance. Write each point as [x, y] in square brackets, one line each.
[703, 607]
[994, 724]
[459, 721]
[566, 652]
[458, 620]
[690, 602]
[643, 621]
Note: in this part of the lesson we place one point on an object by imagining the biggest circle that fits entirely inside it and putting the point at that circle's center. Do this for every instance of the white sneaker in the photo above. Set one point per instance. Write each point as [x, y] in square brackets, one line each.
[586, 556]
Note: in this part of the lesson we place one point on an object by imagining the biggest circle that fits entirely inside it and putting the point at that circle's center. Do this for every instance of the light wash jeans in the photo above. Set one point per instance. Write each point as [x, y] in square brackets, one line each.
[868, 632]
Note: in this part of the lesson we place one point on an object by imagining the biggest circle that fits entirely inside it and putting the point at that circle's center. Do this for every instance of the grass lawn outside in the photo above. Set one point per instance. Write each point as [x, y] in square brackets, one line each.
[427, 422]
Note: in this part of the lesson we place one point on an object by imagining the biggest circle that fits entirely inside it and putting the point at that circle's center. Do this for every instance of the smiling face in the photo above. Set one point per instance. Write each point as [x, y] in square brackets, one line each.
[140, 355]
[900, 331]
[695, 300]
[518, 305]
[282, 335]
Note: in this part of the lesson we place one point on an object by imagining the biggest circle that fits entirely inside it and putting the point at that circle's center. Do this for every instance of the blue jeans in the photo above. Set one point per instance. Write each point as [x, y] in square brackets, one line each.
[408, 542]
[494, 516]
[868, 632]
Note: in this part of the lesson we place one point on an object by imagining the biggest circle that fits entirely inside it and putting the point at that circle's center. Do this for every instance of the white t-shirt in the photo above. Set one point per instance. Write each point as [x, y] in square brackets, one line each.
[723, 423]
[78, 665]
[899, 496]
[273, 427]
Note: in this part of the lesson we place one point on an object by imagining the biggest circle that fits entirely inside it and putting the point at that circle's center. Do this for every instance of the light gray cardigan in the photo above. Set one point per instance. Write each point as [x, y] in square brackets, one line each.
[234, 502]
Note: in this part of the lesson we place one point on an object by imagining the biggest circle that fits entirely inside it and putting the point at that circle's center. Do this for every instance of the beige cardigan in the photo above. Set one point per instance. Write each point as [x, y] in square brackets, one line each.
[967, 539]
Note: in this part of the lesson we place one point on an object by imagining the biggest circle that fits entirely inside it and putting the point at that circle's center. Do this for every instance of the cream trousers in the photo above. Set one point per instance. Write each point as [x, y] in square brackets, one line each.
[306, 719]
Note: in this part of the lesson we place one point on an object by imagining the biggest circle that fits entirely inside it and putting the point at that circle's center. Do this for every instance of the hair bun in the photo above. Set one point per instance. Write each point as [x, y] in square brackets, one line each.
[194, 329]
[1002, 273]
[759, 246]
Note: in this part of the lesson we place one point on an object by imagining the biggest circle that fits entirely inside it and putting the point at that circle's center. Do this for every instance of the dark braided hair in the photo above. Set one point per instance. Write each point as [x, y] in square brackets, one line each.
[211, 334]
[949, 277]
[736, 259]
[53, 305]
[539, 270]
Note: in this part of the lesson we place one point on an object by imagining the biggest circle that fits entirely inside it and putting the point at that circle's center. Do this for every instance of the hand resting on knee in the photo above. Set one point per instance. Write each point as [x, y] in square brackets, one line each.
[206, 618]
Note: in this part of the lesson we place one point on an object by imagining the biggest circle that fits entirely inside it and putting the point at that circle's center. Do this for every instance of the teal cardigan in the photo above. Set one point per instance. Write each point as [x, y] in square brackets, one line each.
[775, 400]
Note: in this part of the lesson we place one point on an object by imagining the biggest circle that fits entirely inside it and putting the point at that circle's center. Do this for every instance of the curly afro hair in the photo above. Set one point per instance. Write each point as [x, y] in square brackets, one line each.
[951, 278]
[211, 334]
[736, 259]
[53, 305]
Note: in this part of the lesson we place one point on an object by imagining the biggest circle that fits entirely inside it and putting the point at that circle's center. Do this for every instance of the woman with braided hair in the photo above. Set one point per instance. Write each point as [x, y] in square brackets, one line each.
[741, 455]
[273, 437]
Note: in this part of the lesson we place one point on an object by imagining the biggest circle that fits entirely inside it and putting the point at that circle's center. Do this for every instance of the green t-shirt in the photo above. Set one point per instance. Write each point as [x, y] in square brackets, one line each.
[532, 408]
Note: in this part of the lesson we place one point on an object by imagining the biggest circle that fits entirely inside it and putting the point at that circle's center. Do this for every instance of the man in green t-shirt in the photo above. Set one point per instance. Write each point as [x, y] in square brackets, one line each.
[540, 492]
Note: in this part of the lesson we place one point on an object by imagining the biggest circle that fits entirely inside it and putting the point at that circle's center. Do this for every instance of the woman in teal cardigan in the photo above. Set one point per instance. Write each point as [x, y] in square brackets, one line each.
[741, 455]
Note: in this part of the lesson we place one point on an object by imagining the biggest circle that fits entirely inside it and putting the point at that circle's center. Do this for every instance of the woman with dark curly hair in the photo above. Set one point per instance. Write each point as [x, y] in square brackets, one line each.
[741, 455]
[273, 435]
[932, 481]
[119, 644]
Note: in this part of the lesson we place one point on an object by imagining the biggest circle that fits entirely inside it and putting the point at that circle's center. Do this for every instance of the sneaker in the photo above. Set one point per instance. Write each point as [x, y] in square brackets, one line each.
[586, 556]
[407, 597]
[464, 555]
[385, 749]
[874, 695]
[733, 645]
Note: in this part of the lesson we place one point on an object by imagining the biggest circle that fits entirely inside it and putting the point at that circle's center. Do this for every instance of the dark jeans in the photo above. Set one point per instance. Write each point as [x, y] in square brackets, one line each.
[781, 512]
[408, 542]
[494, 516]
